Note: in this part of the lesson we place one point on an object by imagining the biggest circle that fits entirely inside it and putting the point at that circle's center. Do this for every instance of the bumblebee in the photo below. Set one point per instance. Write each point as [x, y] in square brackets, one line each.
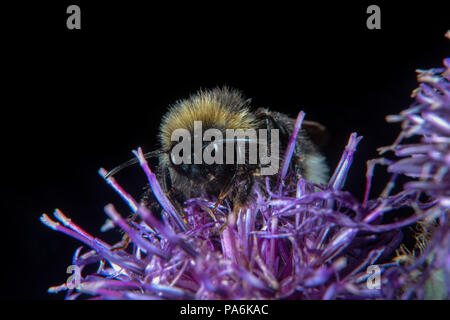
[224, 109]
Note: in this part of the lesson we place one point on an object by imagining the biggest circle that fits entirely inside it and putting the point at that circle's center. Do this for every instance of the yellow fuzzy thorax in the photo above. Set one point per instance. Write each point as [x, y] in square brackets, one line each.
[218, 108]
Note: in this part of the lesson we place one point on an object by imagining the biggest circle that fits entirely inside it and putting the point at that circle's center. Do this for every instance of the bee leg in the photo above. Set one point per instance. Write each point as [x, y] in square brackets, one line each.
[177, 205]
[225, 192]
[163, 175]
[244, 192]
[241, 199]
[232, 218]
[152, 203]
[149, 200]
[171, 192]
[126, 240]
[123, 244]
[224, 225]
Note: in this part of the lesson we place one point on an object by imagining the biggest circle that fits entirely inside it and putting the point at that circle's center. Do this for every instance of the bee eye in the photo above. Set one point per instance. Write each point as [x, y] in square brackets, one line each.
[173, 160]
[178, 156]
[216, 147]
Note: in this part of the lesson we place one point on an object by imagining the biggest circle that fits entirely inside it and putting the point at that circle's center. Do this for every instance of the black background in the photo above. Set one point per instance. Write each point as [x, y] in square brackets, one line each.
[77, 100]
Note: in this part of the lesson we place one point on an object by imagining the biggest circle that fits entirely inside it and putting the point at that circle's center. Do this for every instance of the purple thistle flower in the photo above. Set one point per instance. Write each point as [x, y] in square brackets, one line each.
[428, 162]
[300, 241]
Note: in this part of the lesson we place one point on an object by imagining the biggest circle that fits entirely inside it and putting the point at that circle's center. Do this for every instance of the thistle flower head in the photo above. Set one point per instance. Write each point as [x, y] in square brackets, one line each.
[297, 241]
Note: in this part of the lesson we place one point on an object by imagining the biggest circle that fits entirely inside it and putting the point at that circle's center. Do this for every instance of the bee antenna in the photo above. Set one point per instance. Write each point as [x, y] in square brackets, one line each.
[131, 162]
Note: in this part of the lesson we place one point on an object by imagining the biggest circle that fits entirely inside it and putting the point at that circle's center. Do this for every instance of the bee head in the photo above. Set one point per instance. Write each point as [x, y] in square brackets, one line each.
[203, 163]
[218, 109]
